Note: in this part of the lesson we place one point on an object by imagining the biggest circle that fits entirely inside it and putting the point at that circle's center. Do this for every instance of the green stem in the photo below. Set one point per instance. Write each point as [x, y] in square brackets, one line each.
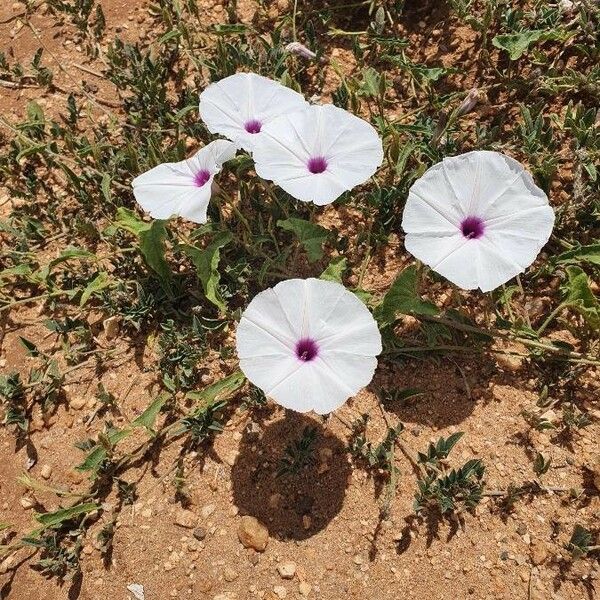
[509, 336]
[417, 349]
[31, 299]
[294, 15]
[551, 317]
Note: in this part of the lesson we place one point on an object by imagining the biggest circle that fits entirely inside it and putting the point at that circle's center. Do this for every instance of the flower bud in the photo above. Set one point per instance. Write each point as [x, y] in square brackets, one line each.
[300, 50]
[469, 102]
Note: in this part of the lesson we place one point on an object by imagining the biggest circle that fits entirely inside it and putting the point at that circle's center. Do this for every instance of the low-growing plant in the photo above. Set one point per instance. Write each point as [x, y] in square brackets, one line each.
[298, 453]
[448, 489]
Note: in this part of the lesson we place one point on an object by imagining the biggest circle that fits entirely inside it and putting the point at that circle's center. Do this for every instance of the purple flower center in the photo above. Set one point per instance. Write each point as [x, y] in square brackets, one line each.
[307, 349]
[472, 228]
[201, 177]
[253, 126]
[317, 164]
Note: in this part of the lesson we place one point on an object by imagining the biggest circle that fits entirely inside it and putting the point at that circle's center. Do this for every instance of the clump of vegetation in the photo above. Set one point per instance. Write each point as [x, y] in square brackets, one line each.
[450, 490]
[298, 454]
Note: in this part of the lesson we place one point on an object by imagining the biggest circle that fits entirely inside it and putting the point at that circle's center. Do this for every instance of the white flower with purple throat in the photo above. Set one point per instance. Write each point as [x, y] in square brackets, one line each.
[241, 105]
[318, 153]
[183, 189]
[309, 344]
[478, 219]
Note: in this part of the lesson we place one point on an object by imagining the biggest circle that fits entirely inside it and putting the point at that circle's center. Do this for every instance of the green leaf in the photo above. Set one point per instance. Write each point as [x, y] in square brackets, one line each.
[32, 484]
[170, 35]
[335, 270]
[210, 400]
[579, 296]
[591, 170]
[32, 349]
[541, 464]
[148, 417]
[151, 237]
[371, 83]
[180, 114]
[516, 44]
[589, 254]
[445, 445]
[17, 270]
[220, 390]
[105, 187]
[431, 74]
[71, 176]
[29, 151]
[152, 245]
[207, 262]
[100, 282]
[310, 235]
[408, 393]
[35, 113]
[580, 541]
[67, 254]
[128, 220]
[99, 453]
[403, 298]
[65, 514]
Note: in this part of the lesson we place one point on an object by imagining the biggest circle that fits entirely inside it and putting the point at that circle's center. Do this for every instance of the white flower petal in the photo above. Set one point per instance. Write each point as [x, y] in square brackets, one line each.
[269, 371]
[321, 189]
[194, 206]
[459, 264]
[311, 315]
[322, 299]
[213, 156]
[346, 325]
[162, 190]
[523, 234]
[245, 102]
[348, 149]
[477, 219]
[311, 387]
[292, 298]
[508, 187]
[184, 188]
[264, 328]
[422, 217]
[433, 247]
[354, 370]
[494, 267]
[432, 193]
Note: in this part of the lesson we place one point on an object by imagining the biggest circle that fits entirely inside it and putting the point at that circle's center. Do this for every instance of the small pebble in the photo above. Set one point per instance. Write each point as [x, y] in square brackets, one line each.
[252, 533]
[27, 502]
[77, 403]
[280, 591]
[287, 570]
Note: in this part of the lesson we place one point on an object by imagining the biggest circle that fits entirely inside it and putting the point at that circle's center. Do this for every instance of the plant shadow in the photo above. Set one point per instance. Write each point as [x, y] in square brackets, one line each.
[295, 505]
[445, 391]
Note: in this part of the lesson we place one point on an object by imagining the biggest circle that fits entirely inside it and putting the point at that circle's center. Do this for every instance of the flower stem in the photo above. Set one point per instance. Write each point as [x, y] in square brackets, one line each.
[551, 317]
[294, 15]
[31, 299]
[515, 338]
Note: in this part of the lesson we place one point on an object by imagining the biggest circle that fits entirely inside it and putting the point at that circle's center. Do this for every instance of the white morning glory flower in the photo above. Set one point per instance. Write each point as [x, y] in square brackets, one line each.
[478, 219]
[309, 344]
[318, 153]
[183, 189]
[240, 106]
